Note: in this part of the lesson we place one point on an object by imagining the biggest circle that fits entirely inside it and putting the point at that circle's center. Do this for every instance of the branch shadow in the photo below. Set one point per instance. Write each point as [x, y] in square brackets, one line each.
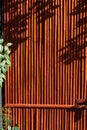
[17, 18]
[74, 48]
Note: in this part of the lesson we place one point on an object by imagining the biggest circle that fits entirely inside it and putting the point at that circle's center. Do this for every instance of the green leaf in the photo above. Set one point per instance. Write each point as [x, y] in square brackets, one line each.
[8, 62]
[3, 76]
[1, 40]
[9, 127]
[9, 44]
[1, 80]
[1, 56]
[0, 84]
[8, 121]
[6, 56]
[7, 52]
[1, 129]
[4, 59]
[6, 48]
[15, 128]
[3, 63]
[1, 48]
[3, 69]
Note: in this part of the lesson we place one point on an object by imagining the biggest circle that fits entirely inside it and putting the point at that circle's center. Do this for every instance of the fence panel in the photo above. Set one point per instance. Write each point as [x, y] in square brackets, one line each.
[49, 63]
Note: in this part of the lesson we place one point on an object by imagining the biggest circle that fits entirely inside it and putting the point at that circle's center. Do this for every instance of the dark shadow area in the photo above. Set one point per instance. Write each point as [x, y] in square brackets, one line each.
[75, 45]
[1, 17]
[77, 115]
[15, 23]
[44, 10]
[78, 109]
[18, 17]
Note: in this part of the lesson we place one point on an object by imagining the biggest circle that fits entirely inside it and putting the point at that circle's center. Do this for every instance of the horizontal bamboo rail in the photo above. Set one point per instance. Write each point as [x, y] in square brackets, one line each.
[48, 106]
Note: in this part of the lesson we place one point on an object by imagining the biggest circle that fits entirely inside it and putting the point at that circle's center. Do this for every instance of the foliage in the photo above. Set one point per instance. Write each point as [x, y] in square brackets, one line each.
[15, 127]
[5, 114]
[4, 59]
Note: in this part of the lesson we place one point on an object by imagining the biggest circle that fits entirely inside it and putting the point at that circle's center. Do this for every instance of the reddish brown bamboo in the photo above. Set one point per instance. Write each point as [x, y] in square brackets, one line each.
[49, 63]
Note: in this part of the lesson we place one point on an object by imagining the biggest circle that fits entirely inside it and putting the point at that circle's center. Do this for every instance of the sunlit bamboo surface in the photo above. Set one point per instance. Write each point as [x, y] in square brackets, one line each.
[48, 63]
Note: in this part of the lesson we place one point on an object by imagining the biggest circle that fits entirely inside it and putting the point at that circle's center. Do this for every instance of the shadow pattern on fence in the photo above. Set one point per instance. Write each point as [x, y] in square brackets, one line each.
[76, 45]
